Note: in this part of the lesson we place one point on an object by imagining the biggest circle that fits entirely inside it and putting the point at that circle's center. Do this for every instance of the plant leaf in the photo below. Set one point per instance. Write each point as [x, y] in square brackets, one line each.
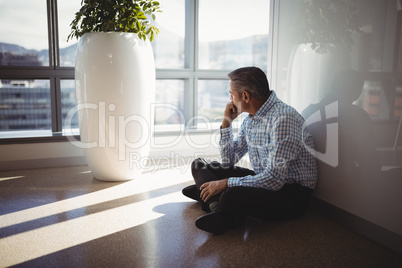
[116, 16]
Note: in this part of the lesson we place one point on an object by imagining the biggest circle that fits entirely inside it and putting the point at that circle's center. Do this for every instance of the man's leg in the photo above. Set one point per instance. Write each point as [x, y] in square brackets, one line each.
[218, 221]
[204, 171]
[289, 202]
[236, 202]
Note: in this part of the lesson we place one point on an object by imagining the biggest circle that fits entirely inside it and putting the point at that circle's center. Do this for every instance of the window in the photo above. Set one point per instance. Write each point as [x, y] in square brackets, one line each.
[68, 102]
[227, 40]
[208, 44]
[170, 44]
[25, 105]
[169, 102]
[65, 14]
[30, 70]
[199, 43]
[23, 37]
[213, 95]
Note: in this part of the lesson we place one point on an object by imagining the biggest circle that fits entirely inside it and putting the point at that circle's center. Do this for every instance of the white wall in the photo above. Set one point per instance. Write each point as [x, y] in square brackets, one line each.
[378, 201]
[34, 155]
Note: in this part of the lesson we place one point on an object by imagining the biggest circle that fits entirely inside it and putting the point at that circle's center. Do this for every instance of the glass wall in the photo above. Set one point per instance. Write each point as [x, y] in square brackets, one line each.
[370, 44]
[305, 71]
[338, 63]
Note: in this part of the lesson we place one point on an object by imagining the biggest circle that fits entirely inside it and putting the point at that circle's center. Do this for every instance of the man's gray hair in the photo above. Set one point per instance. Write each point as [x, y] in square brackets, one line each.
[251, 79]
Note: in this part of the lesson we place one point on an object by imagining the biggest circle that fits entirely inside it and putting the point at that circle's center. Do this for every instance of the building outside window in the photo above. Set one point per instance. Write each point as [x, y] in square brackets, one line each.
[25, 105]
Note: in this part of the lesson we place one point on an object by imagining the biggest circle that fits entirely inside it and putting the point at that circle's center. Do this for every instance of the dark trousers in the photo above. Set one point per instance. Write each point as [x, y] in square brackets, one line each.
[289, 202]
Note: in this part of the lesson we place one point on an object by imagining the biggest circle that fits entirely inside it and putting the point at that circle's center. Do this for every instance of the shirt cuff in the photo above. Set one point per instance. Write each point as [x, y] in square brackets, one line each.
[226, 133]
[234, 181]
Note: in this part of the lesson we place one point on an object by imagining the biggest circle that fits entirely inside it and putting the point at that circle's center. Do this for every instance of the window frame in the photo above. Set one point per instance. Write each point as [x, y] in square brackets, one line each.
[55, 73]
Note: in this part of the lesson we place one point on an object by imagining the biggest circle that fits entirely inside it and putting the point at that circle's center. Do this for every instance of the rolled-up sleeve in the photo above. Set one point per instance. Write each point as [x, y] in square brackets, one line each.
[232, 150]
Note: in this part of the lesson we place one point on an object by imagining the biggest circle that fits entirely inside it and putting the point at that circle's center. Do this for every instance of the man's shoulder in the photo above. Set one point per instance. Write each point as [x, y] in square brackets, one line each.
[282, 109]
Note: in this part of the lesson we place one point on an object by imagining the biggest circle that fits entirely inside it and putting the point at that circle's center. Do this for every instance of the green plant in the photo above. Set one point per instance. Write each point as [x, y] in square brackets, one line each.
[115, 16]
[324, 22]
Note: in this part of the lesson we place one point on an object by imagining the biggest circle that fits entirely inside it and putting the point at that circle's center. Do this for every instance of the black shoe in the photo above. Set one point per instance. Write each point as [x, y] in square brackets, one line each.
[191, 192]
[214, 222]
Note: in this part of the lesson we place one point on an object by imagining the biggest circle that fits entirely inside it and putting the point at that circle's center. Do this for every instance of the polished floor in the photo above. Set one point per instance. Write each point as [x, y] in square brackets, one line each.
[62, 217]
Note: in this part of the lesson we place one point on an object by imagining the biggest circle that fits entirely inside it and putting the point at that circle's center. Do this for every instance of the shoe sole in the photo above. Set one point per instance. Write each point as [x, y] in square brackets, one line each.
[214, 223]
[191, 192]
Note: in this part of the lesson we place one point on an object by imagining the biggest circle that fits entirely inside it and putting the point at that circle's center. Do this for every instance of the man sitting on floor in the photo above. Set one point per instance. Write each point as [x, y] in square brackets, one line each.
[284, 172]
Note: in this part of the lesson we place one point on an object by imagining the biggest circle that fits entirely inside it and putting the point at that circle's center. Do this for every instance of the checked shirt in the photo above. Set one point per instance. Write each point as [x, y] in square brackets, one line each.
[275, 139]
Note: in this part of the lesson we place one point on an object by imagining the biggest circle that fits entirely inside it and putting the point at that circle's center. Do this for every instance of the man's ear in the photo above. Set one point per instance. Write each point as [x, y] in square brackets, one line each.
[246, 96]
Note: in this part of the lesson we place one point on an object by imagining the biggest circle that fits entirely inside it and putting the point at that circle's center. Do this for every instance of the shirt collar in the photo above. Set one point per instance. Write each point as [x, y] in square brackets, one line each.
[268, 104]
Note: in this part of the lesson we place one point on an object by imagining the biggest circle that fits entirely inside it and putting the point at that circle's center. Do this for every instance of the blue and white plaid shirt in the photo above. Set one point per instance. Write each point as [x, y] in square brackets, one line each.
[276, 139]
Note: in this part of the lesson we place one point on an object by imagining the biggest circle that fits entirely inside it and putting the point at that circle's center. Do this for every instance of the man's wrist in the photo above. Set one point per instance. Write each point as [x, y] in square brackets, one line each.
[225, 184]
[226, 123]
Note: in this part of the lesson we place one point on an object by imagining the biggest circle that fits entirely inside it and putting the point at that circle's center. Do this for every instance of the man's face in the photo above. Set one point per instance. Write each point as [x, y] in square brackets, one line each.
[235, 97]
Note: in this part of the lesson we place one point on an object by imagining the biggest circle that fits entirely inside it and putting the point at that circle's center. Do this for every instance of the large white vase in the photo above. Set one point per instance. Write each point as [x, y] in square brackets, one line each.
[311, 73]
[115, 86]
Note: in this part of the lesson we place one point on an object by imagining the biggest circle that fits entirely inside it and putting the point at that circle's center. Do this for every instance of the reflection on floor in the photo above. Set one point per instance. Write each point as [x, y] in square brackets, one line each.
[62, 217]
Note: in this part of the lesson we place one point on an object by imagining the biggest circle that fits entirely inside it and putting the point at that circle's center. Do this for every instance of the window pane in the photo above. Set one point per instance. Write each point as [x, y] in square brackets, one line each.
[23, 33]
[235, 37]
[213, 95]
[68, 101]
[168, 46]
[169, 102]
[66, 14]
[25, 105]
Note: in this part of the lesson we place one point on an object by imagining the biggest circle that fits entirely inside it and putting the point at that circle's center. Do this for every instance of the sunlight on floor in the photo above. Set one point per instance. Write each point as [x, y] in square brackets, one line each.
[72, 232]
[11, 178]
[123, 190]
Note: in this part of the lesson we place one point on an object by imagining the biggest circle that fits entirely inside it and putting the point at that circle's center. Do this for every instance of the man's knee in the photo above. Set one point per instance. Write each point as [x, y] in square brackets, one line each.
[198, 164]
[214, 165]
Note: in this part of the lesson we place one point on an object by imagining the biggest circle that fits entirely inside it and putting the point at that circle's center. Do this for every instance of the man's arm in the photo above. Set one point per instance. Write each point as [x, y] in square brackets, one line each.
[283, 148]
[231, 150]
[212, 188]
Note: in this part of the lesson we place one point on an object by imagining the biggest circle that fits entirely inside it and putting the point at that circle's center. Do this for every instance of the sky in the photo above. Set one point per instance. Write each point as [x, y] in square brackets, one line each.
[24, 22]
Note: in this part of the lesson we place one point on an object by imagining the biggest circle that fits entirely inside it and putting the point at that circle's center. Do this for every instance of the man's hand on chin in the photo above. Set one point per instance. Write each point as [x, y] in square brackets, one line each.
[231, 113]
